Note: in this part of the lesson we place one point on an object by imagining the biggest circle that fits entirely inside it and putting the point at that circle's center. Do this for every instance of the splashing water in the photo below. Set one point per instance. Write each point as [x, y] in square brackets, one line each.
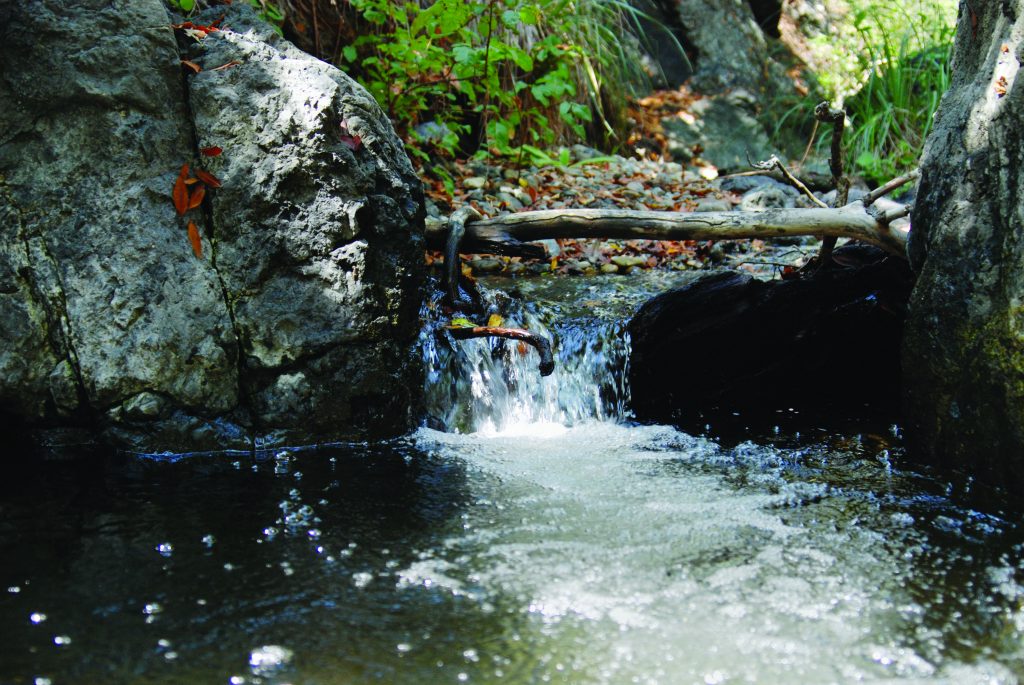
[541, 537]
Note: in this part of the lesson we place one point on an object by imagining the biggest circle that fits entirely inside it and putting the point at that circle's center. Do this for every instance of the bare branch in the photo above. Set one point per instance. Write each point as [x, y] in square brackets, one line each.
[774, 162]
[892, 185]
[837, 117]
[510, 230]
[539, 342]
[452, 266]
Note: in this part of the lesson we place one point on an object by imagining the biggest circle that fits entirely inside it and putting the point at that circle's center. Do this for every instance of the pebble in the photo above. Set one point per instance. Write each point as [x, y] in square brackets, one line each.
[609, 269]
[625, 260]
[486, 265]
[711, 204]
[474, 182]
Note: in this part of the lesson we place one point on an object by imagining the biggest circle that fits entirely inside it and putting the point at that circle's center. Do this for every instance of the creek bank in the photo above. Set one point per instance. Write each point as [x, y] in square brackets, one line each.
[297, 320]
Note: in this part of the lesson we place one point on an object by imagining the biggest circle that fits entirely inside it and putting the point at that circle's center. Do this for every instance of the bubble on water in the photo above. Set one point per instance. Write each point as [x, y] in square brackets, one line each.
[471, 655]
[269, 658]
[37, 617]
[209, 540]
[152, 608]
[40, 680]
[313, 533]
[270, 532]
[901, 518]
[403, 647]
[201, 602]
[236, 680]
[163, 643]
[165, 549]
[14, 589]
[362, 579]
[171, 656]
[229, 566]
[62, 640]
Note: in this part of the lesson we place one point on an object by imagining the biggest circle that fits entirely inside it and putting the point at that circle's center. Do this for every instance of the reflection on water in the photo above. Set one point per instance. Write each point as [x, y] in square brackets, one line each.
[553, 544]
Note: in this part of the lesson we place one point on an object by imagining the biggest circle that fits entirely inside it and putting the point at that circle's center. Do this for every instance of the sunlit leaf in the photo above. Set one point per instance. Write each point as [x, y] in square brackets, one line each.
[196, 198]
[208, 178]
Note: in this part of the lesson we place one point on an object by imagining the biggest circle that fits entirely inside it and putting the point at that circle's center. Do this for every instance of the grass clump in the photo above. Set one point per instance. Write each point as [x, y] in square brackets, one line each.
[889, 68]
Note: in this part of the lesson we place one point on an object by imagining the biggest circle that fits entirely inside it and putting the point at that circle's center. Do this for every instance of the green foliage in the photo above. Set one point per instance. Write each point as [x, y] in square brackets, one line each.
[491, 75]
[889, 66]
[893, 111]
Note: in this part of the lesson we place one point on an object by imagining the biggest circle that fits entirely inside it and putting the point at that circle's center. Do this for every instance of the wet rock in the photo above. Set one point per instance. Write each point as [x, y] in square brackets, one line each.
[486, 265]
[609, 268]
[316, 239]
[729, 343]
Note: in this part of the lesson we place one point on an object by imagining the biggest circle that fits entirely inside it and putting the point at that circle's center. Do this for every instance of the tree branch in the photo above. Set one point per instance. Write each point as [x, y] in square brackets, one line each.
[506, 234]
[539, 342]
[892, 185]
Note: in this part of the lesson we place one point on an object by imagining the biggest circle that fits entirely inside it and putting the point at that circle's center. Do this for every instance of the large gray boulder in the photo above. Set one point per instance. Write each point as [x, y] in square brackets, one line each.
[297, 322]
[963, 354]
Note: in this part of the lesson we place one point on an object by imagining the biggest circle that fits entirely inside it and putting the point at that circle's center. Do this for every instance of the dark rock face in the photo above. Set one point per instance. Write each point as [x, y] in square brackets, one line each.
[964, 350]
[730, 343]
[297, 322]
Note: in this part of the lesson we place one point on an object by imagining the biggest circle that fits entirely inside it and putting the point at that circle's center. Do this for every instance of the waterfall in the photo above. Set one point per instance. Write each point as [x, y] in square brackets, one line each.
[493, 386]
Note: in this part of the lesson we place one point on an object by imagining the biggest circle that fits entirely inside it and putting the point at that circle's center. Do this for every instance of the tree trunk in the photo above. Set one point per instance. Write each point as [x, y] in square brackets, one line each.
[963, 353]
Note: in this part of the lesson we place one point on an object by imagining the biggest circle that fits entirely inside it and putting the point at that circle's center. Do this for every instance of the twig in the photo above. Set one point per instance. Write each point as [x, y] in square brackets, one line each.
[898, 213]
[837, 117]
[539, 342]
[892, 185]
[810, 144]
[774, 162]
[452, 270]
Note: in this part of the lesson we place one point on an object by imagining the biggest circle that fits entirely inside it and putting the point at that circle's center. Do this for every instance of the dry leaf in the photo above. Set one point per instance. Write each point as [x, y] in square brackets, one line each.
[208, 178]
[211, 151]
[197, 196]
[191, 66]
[180, 192]
[193, 237]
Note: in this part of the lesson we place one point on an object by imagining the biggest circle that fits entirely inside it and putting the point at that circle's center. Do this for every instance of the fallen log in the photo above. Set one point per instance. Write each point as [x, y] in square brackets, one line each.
[539, 342]
[510, 233]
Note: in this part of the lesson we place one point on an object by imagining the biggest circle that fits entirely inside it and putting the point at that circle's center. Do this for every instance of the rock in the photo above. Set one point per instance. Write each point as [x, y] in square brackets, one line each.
[743, 184]
[712, 204]
[964, 347]
[629, 260]
[474, 182]
[609, 269]
[486, 265]
[767, 197]
[311, 249]
[730, 343]
[724, 128]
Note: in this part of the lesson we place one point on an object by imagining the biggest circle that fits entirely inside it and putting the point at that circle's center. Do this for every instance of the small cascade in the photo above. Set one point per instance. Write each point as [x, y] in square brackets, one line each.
[493, 386]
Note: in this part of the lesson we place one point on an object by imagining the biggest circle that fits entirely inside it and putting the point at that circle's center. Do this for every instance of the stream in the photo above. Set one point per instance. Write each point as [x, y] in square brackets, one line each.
[530, 532]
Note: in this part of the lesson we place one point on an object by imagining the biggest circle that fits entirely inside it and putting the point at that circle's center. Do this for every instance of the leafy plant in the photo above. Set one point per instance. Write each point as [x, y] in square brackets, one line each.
[888, 66]
[490, 76]
[893, 111]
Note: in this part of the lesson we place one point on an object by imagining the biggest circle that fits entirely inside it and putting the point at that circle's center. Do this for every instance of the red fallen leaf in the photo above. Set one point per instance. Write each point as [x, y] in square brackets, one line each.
[193, 237]
[211, 151]
[192, 66]
[1001, 85]
[226, 65]
[180, 192]
[197, 196]
[191, 181]
[195, 34]
[352, 142]
[208, 178]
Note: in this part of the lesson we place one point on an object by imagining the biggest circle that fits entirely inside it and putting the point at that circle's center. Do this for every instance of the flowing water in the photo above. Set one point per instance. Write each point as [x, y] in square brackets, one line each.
[533, 534]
